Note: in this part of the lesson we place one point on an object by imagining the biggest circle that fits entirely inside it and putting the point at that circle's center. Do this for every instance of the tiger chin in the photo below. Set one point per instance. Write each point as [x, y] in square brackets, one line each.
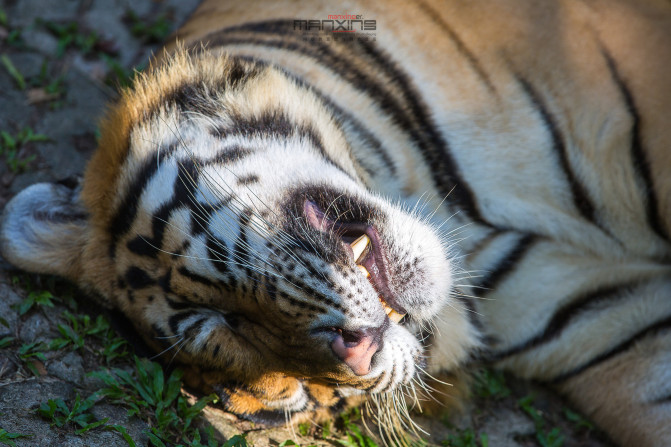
[224, 216]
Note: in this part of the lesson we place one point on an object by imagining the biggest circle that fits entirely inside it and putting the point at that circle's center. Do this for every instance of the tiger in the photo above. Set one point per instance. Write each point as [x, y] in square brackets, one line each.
[312, 205]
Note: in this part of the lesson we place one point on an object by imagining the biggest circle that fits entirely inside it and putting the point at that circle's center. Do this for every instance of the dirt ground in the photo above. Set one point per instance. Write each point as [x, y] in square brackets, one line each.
[61, 61]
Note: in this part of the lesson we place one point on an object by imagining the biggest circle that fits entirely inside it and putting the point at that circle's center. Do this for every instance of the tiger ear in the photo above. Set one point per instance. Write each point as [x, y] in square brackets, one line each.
[44, 229]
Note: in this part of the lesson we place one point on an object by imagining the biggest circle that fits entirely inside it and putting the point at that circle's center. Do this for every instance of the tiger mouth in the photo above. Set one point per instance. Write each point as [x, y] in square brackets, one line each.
[362, 251]
[364, 242]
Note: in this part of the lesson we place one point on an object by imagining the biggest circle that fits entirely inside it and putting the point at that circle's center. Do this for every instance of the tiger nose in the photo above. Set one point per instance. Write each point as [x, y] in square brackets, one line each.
[356, 348]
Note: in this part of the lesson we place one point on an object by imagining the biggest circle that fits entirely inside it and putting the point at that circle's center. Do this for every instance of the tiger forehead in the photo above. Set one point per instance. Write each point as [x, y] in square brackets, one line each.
[226, 92]
[170, 83]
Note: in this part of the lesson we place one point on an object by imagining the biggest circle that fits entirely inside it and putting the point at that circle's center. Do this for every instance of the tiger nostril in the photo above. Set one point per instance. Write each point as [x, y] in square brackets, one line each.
[356, 348]
[352, 338]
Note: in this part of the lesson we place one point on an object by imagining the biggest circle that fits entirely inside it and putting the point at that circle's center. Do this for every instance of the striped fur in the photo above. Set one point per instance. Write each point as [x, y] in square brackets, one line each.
[511, 158]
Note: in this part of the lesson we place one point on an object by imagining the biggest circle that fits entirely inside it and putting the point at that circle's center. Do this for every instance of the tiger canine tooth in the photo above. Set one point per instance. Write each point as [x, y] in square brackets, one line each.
[359, 245]
[363, 270]
[395, 316]
[391, 313]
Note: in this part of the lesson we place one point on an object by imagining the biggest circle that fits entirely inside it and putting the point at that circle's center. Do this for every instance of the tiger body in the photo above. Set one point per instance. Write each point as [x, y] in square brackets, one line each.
[514, 151]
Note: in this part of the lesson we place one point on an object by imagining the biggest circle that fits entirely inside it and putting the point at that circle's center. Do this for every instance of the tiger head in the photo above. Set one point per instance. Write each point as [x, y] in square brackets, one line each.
[225, 215]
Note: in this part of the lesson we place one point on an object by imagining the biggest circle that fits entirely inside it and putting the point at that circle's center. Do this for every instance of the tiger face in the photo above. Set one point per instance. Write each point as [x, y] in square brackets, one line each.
[240, 239]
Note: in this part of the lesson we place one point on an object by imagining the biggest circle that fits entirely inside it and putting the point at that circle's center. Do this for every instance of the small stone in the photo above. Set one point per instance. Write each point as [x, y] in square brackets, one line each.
[37, 328]
[68, 368]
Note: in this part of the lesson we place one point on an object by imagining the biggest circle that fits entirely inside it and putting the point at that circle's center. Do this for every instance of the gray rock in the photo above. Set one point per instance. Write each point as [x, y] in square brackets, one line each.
[28, 64]
[40, 40]
[107, 20]
[68, 368]
[137, 429]
[76, 121]
[8, 298]
[27, 11]
[20, 398]
[36, 327]
[13, 114]
[505, 426]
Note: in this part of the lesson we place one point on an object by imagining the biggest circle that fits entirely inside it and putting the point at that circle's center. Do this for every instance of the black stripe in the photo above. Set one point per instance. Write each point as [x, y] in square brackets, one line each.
[136, 278]
[127, 210]
[164, 281]
[241, 248]
[661, 400]
[176, 319]
[380, 378]
[199, 95]
[365, 136]
[651, 331]
[159, 333]
[195, 277]
[275, 123]
[471, 311]
[201, 214]
[247, 180]
[434, 15]
[227, 155]
[566, 314]
[178, 305]
[311, 292]
[300, 303]
[639, 158]
[506, 265]
[412, 115]
[581, 198]
[186, 331]
[183, 192]
[433, 147]
[219, 254]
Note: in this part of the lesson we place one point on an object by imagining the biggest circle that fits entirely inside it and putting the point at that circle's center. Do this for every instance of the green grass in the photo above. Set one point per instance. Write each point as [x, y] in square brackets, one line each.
[46, 87]
[35, 298]
[545, 437]
[13, 71]
[466, 438]
[154, 31]
[13, 35]
[149, 395]
[29, 353]
[69, 35]
[354, 435]
[579, 421]
[57, 412]
[118, 75]
[79, 327]
[8, 438]
[11, 145]
[6, 341]
[490, 384]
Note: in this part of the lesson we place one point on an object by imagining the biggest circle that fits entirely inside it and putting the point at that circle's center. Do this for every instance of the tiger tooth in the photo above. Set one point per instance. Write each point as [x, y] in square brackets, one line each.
[363, 270]
[395, 316]
[359, 246]
[391, 313]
